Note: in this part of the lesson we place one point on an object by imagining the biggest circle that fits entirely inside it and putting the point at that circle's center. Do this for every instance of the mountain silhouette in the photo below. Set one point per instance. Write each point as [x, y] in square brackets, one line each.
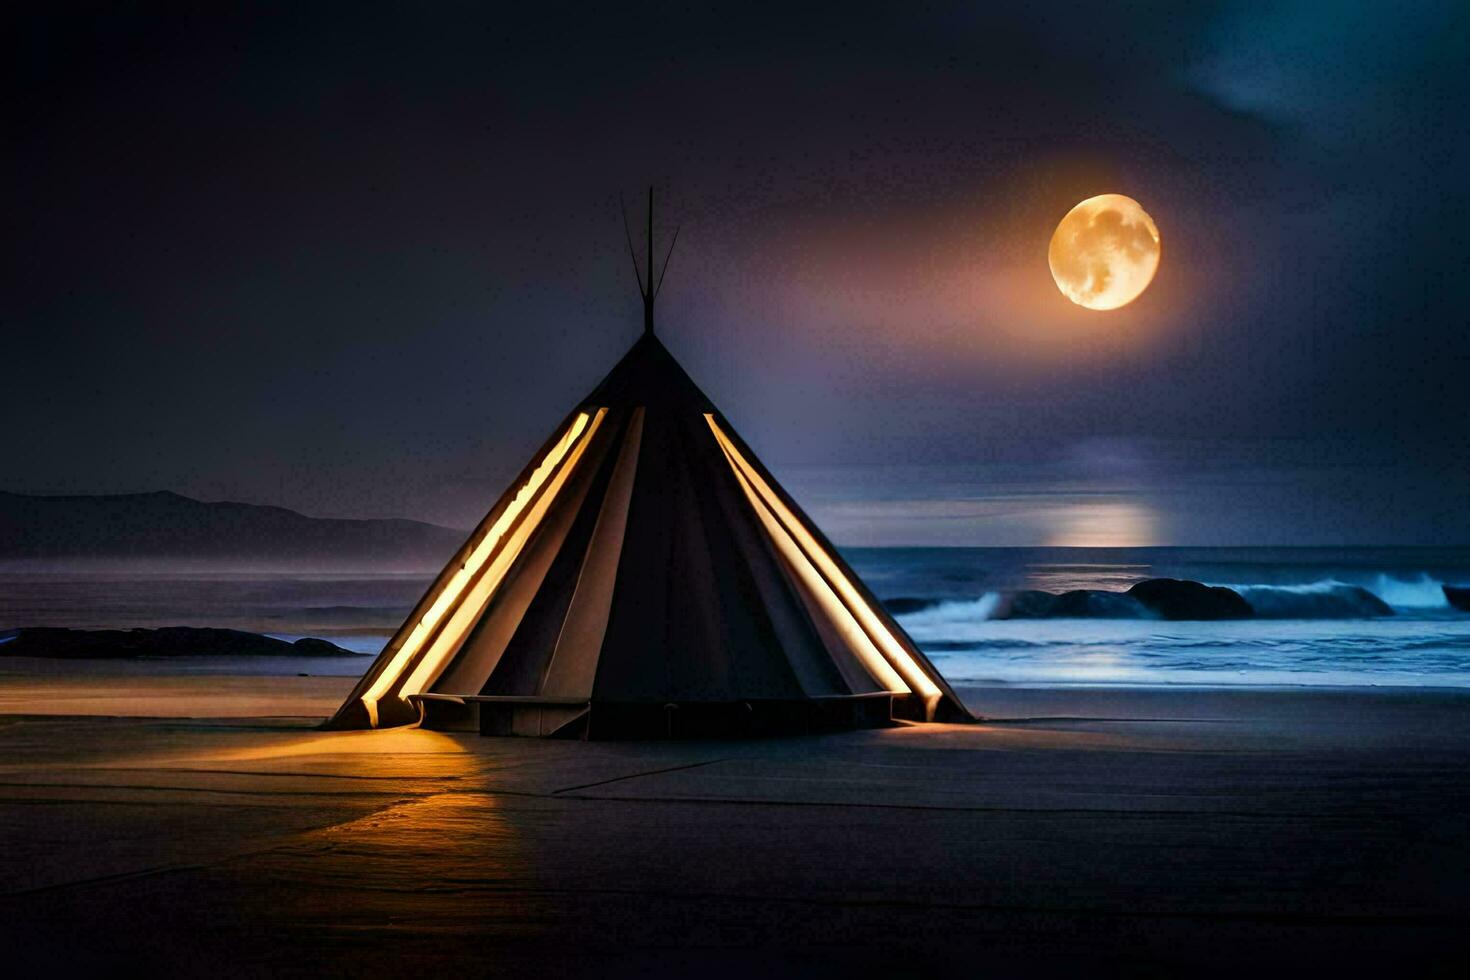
[163, 525]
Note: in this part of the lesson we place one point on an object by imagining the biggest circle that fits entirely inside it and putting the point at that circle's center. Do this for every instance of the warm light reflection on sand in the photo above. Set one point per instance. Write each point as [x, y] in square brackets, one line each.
[374, 743]
[446, 864]
[417, 831]
[372, 753]
[447, 824]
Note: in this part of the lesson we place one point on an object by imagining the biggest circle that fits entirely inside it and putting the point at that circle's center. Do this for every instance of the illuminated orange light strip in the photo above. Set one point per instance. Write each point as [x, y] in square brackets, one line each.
[464, 617]
[842, 617]
[466, 572]
[887, 644]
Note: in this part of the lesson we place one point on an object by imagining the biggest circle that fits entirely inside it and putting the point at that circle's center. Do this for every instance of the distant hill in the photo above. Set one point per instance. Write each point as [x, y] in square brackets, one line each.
[166, 525]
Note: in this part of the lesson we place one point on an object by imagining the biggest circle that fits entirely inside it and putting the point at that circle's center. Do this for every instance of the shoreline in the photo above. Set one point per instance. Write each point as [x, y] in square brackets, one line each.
[353, 662]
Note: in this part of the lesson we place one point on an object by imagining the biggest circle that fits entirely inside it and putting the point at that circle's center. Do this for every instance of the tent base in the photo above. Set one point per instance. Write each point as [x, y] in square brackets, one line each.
[551, 718]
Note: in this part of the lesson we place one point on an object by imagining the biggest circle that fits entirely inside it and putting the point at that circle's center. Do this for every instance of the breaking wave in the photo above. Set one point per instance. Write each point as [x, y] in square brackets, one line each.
[1418, 593]
[936, 612]
[1329, 598]
[1336, 599]
[1318, 600]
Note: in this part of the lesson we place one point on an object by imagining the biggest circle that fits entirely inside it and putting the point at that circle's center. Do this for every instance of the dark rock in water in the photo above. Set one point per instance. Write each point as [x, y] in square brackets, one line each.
[311, 646]
[1166, 598]
[1077, 604]
[170, 641]
[1172, 598]
[904, 605]
[1337, 602]
[1030, 604]
[1099, 604]
[1457, 596]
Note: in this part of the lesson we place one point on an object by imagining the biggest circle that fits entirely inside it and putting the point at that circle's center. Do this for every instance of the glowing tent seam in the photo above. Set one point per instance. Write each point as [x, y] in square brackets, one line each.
[842, 617]
[462, 576]
[469, 610]
[878, 634]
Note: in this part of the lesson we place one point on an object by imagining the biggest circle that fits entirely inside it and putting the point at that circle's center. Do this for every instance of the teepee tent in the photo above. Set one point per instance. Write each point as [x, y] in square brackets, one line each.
[645, 576]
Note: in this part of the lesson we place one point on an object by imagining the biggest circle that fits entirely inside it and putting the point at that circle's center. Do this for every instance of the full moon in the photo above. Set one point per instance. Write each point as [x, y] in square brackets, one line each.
[1105, 252]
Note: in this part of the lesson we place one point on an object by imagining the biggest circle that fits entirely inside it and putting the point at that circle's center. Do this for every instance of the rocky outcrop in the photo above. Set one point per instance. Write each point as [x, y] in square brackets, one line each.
[1077, 604]
[1172, 598]
[170, 641]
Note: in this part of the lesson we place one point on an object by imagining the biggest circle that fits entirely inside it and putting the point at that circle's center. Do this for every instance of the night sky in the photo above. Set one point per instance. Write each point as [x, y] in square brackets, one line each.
[359, 261]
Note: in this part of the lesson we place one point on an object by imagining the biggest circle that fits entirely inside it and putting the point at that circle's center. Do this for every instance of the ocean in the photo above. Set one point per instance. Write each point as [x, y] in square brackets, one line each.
[1319, 631]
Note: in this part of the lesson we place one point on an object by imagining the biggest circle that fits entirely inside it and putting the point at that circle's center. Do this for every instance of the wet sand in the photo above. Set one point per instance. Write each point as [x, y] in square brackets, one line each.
[190, 825]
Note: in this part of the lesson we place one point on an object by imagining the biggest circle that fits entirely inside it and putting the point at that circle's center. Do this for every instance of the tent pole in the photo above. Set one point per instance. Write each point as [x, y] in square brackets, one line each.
[648, 293]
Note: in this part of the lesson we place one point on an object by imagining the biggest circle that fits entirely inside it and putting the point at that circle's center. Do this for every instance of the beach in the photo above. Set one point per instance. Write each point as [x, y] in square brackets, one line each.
[187, 824]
